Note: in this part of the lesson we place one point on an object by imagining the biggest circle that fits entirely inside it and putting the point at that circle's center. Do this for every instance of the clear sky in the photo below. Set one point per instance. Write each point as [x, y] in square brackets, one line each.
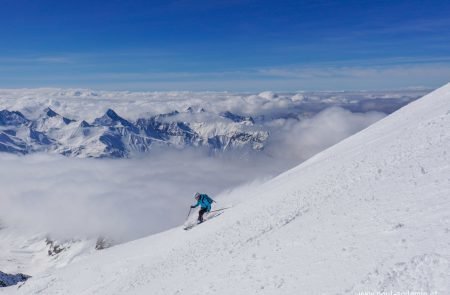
[233, 45]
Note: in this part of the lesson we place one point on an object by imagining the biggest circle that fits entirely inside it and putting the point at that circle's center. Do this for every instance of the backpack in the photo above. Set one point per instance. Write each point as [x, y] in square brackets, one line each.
[206, 198]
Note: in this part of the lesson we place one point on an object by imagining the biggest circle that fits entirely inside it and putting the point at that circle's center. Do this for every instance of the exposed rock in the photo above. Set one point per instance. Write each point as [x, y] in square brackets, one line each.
[7, 280]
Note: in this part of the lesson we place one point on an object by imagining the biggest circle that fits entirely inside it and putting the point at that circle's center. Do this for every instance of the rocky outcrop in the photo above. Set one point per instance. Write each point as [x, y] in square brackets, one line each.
[7, 280]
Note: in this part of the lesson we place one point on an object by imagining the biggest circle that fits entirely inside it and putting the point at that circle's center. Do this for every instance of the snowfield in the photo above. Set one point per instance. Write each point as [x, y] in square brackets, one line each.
[370, 214]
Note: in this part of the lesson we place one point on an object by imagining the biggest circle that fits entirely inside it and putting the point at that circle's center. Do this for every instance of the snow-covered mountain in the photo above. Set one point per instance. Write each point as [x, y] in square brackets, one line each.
[84, 123]
[113, 136]
[370, 214]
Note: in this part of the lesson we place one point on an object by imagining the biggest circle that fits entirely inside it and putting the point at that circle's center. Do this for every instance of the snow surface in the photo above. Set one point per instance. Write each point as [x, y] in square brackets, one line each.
[369, 214]
[24, 252]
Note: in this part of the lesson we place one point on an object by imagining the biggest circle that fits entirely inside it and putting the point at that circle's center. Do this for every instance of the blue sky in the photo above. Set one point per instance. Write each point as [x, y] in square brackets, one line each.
[230, 45]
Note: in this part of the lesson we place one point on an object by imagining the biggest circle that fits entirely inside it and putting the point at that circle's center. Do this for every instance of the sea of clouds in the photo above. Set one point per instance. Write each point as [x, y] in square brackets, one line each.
[129, 198]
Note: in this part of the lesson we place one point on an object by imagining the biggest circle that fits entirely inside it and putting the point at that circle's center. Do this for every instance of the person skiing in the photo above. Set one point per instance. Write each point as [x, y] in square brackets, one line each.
[204, 201]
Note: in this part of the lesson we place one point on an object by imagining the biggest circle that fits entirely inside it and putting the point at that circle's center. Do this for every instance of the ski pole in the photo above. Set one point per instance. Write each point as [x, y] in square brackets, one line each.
[219, 209]
[189, 213]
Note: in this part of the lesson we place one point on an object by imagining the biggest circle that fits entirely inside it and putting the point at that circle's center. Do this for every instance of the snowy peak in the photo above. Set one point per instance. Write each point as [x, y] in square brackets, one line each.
[12, 125]
[237, 118]
[113, 115]
[14, 118]
[49, 122]
[111, 118]
[195, 110]
[85, 124]
[50, 113]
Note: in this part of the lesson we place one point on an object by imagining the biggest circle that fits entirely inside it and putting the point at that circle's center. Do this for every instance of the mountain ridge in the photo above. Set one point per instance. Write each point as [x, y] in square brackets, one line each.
[113, 136]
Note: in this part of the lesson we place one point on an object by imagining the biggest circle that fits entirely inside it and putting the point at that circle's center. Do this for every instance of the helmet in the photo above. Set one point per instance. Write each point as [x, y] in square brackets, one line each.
[197, 196]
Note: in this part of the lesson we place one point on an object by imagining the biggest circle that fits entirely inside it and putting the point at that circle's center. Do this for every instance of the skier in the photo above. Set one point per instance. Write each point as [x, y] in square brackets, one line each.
[205, 205]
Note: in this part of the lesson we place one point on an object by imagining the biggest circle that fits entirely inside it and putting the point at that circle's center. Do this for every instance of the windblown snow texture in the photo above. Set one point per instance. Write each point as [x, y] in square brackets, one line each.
[369, 214]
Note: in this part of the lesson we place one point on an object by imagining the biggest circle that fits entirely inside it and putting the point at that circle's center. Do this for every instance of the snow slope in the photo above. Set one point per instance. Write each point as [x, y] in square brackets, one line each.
[30, 253]
[372, 213]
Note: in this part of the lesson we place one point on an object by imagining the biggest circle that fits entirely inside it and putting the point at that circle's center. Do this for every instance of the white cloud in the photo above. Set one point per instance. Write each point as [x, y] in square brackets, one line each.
[299, 140]
[337, 72]
[88, 104]
[383, 73]
[122, 199]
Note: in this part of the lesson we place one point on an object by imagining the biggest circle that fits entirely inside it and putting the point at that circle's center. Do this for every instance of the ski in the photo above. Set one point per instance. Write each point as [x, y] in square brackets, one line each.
[192, 225]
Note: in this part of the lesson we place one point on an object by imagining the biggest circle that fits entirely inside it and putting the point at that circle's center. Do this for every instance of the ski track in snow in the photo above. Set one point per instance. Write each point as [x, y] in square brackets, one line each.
[369, 214]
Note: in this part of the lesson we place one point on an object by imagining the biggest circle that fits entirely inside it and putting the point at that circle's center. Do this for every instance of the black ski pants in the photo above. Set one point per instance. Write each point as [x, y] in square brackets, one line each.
[200, 214]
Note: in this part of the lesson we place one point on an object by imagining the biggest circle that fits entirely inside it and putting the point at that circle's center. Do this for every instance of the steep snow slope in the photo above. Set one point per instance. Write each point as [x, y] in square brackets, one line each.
[369, 214]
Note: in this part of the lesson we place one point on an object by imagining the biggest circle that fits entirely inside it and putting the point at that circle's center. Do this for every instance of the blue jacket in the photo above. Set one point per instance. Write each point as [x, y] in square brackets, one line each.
[205, 202]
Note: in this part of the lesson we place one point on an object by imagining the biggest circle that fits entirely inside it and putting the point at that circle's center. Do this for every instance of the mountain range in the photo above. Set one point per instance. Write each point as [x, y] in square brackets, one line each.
[112, 136]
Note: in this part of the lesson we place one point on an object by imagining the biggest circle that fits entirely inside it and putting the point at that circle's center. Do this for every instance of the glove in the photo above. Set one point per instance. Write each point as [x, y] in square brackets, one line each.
[192, 207]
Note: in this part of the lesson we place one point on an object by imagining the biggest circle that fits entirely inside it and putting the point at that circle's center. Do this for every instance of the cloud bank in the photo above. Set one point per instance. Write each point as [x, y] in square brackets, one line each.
[120, 199]
[82, 104]
[300, 140]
